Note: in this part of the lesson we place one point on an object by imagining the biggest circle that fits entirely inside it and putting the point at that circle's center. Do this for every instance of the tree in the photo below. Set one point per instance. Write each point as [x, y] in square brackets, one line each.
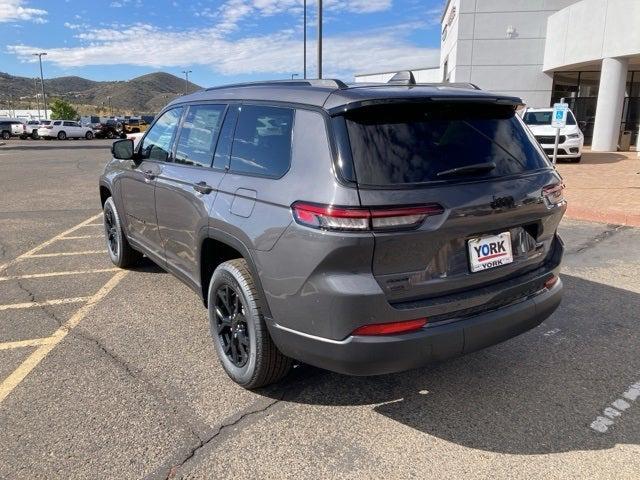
[61, 110]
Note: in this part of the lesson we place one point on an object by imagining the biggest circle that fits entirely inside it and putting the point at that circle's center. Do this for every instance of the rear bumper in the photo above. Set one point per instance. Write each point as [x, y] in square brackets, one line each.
[362, 355]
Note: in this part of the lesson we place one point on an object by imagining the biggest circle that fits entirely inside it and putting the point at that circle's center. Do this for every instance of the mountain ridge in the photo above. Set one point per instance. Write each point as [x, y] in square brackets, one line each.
[144, 94]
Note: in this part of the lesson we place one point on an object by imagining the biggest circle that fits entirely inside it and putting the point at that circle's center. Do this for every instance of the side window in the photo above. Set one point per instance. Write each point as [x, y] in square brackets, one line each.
[57, 123]
[199, 135]
[262, 142]
[68, 124]
[156, 145]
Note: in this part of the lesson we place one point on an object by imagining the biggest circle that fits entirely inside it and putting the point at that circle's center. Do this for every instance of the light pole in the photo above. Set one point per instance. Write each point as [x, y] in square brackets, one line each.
[110, 106]
[294, 75]
[319, 38]
[35, 88]
[44, 97]
[186, 81]
[304, 40]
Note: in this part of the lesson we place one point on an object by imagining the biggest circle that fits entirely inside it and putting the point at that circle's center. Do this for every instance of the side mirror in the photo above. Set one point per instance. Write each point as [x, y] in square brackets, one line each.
[123, 149]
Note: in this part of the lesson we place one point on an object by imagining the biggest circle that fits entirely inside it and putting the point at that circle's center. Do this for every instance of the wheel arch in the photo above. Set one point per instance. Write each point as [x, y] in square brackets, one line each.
[218, 247]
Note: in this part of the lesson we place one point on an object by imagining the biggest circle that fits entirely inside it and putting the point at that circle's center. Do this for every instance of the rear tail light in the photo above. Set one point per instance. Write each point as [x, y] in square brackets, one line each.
[329, 217]
[391, 328]
[553, 194]
[551, 282]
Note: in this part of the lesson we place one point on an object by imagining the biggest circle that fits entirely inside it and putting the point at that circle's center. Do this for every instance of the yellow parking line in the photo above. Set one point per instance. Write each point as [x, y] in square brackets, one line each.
[44, 303]
[62, 254]
[13, 380]
[81, 237]
[58, 274]
[32, 342]
[49, 242]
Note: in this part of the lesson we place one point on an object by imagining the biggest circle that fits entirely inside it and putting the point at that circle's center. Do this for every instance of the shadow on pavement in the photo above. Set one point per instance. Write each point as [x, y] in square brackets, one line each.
[534, 394]
[70, 146]
[601, 158]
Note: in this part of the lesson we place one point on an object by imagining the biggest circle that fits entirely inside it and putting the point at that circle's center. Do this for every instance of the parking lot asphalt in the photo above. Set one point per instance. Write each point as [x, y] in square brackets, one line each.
[107, 373]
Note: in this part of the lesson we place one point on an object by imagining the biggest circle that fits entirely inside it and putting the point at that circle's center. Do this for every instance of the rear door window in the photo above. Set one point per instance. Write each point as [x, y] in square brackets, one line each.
[262, 141]
[411, 144]
[199, 134]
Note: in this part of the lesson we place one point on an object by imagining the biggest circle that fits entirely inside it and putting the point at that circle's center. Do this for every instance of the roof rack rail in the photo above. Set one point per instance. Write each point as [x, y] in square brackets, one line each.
[316, 82]
[459, 85]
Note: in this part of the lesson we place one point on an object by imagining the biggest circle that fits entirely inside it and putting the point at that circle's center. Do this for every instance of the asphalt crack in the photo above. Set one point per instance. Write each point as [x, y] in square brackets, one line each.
[606, 234]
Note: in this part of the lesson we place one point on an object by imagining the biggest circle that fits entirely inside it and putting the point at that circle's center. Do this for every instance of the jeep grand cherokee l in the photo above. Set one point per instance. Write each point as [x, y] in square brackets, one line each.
[363, 229]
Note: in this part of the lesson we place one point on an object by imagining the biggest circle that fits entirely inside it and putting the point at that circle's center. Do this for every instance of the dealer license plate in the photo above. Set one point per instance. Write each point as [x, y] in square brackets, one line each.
[490, 251]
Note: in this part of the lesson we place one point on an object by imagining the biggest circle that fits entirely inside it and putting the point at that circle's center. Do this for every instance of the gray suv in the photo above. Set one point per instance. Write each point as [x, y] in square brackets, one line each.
[364, 229]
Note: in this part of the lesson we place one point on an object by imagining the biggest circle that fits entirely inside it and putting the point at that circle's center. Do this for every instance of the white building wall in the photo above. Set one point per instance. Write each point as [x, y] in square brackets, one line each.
[500, 45]
[23, 114]
[591, 30]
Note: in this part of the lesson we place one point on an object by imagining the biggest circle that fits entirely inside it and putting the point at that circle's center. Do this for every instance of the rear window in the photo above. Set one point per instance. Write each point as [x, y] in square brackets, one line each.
[408, 144]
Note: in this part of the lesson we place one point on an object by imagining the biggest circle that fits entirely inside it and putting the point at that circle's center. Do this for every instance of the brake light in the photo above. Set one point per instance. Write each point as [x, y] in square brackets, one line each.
[329, 217]
[391, 328]
[551, 282]
[553, 194]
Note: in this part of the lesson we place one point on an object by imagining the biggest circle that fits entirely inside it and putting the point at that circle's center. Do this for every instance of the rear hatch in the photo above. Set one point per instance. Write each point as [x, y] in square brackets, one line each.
[499, 195]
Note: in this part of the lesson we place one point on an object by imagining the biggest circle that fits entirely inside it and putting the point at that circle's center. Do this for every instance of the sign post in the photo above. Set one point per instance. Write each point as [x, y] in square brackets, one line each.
[558, 121]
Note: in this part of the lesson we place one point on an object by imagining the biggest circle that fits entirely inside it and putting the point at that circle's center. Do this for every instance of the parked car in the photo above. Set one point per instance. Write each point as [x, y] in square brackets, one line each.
[107, 129]
[63, 129]
[365, 230]
[571, 138]
[33, 126]
[12, 128]
[134, 125]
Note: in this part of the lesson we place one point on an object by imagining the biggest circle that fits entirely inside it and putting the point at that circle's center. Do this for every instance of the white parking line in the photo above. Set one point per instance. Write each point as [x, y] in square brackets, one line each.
[32, 342]
[81, 237]
[602, 423]
[62, 254]
[44, 303]
[58, 274]
[49, 242]
[13, 380]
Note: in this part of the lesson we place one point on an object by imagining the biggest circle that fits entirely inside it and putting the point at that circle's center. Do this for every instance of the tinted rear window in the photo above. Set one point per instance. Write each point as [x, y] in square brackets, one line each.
[405, 144]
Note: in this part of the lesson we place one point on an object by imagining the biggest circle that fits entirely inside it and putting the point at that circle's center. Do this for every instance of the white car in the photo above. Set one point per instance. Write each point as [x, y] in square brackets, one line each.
[63, 129]
[571, 138]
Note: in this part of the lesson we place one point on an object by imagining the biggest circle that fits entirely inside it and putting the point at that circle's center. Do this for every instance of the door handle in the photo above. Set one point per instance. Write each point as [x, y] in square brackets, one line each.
[149, 175]
[202, 187]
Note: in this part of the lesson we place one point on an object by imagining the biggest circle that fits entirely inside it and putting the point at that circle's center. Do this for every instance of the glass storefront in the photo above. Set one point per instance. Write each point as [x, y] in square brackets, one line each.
[580, 91]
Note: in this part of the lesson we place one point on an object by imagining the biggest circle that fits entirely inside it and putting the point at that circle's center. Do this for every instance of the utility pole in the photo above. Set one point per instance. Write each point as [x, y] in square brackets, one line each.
[319, 38]
[44, 97]
[186, 81]
[35, 88]
[304, 41]
[110, 106]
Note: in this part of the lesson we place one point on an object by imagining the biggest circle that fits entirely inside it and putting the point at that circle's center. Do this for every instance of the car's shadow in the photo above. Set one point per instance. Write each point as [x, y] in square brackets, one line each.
[70, 146]
[535, 394]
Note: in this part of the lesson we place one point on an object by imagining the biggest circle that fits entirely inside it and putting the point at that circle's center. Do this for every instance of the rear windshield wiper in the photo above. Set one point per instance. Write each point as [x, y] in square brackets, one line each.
[475, 168]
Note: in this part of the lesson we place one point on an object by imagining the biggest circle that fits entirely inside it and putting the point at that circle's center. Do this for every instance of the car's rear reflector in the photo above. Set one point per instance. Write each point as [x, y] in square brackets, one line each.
[391, 328]
[329, 217]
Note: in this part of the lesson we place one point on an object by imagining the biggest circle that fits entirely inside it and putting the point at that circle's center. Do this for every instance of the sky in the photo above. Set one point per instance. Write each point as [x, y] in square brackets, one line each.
[219, 41]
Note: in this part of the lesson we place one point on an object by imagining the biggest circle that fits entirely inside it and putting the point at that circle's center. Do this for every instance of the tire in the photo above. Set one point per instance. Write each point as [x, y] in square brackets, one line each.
[34, 135]
[110, 135]
[62, 136]
[263, 363]
[6, 135]
[121, 253]
[23, 137]
[89, 136]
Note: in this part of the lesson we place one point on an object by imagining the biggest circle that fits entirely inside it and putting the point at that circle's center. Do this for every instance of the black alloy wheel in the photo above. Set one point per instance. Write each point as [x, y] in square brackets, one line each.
[231, 325]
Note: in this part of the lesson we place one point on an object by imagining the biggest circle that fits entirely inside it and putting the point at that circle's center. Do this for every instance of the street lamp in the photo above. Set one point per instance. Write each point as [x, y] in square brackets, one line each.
[110, 105]
[186, 81]
[304, 40]
[35, 89]
[44, 98]
[319, 38]
[294, 75]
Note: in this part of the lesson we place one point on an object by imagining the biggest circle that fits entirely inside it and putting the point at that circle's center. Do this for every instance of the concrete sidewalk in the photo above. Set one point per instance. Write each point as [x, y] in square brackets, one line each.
[604, 187]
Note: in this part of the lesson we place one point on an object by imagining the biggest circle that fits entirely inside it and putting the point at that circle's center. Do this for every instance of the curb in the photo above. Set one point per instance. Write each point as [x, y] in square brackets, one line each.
[603, 216]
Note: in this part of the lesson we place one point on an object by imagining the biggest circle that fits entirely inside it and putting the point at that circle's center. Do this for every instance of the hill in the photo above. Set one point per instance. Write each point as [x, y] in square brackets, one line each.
[144, 94]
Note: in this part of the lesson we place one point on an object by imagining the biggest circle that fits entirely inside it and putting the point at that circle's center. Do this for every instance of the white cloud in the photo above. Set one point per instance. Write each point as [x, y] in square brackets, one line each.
[15, 10]
[269, 54]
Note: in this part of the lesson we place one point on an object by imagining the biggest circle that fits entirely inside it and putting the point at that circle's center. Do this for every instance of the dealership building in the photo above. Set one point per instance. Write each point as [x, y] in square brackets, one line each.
[586, 52]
